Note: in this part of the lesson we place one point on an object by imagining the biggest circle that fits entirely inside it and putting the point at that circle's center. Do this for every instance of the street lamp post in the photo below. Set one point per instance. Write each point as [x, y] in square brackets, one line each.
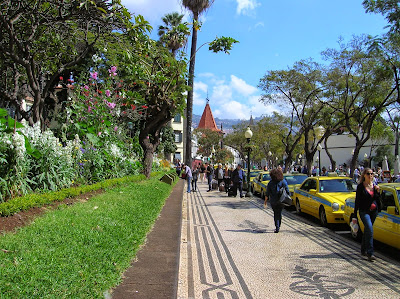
[319, 132]
[248, 134]
[269, 159]
[319, 147]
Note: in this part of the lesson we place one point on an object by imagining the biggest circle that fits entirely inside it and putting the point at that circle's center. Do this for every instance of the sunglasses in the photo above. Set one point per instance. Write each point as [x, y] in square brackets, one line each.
[369, 173]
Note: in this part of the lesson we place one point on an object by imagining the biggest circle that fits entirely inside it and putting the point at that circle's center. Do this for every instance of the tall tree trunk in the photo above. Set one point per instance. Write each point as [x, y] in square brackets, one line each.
[189, 105]
[333, 162]
[148, 149]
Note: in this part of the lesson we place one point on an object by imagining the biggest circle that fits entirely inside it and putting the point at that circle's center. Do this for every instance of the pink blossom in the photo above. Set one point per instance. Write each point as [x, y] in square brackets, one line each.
[89, 109]
[99, 134]
[111, 105]
[115, 128]
[86, 87]
[113, 71]
[108, 92]
[94, 75]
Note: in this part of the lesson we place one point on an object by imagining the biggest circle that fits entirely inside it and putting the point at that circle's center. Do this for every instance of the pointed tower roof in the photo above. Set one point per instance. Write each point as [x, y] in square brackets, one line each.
[251, 122]
[207, 120]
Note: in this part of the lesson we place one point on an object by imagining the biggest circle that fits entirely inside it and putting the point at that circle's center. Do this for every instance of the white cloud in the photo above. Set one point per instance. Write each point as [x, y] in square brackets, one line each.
[259, 24]
[232, 99]
[198, 85]
[198, 99]
[241, 86]
[246, 7]
[234, 110]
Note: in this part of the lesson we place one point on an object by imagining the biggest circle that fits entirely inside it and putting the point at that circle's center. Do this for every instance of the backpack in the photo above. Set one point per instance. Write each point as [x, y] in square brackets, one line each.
[283, 196]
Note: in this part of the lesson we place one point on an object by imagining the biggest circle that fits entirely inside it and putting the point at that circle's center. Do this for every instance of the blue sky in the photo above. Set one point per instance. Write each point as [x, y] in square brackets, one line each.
[273, 35]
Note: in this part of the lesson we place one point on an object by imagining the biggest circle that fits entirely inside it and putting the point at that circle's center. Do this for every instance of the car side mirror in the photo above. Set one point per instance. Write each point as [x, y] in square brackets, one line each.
[391, 210]
[313, 191]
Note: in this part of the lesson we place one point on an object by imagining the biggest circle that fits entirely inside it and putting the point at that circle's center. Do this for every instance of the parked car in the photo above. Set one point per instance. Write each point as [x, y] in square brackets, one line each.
[259, 184]
[294, 180]
[253, 174]
[387, 223]
[324, 197]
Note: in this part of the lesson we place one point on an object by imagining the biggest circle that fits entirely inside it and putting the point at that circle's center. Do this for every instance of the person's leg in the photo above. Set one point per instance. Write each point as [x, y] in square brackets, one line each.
[189, 181]
[241, 189]
[367, 241]
[209, 182]
[226, 181]
[234, 189]
[194, 184]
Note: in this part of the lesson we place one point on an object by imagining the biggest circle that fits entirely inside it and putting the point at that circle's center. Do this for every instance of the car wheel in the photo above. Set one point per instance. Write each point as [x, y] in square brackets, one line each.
[298, 208]
[322, 217]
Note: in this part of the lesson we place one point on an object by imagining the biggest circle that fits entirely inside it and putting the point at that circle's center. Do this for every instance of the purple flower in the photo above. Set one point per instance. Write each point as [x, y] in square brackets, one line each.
[82, 150]
[86, 87]
[115, 128]
[108, 92]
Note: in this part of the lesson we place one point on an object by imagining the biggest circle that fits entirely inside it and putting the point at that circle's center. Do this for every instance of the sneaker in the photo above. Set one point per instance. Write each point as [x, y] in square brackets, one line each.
[276, 230]
[208, 190]
[363, 253]
[371, 258]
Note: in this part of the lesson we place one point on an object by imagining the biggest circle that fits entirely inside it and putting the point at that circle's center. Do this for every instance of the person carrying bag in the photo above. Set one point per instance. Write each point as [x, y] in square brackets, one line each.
[274, 186]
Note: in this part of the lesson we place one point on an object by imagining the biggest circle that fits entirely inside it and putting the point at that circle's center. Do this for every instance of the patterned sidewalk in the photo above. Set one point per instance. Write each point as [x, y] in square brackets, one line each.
[228, 250]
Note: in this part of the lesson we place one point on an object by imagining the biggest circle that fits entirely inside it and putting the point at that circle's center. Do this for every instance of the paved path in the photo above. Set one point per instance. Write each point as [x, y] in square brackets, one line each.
[228, 250]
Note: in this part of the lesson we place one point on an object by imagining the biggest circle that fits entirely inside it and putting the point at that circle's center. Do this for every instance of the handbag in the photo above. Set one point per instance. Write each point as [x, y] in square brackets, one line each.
[284, 197]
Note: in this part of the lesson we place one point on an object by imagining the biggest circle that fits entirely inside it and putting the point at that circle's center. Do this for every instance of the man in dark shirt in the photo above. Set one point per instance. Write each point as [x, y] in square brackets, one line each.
[238, 176]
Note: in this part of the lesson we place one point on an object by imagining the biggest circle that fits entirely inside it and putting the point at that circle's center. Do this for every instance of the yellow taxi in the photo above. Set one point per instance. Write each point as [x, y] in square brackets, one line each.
[387, 223]
[324, 197]
[294, 180]
[260, 182]
[253, 174]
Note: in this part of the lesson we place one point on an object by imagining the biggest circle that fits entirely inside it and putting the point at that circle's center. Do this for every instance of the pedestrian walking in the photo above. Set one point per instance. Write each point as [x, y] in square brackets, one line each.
[368, 204]
[227, 177]
[195, 174]
[202, 172]
[276, 183]
[178, 167]
[210, 174]
[220, 174]
[238, 177]
[188, 172]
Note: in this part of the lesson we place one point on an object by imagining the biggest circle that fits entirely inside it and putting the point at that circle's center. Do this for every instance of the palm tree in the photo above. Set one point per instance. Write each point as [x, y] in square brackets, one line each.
[196, 7]
[173, 33]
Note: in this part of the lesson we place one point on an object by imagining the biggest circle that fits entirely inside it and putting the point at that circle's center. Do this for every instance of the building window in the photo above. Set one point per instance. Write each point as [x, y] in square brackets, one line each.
[177, 118]
[178, 136]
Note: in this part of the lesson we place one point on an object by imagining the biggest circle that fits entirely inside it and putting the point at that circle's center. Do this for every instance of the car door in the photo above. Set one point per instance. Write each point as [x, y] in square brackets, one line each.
[305, 196]
[257, 181]
[386, 226]
[312, 198]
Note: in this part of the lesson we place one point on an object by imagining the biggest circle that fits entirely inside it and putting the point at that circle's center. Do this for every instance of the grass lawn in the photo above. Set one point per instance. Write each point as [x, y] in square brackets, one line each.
[80, 251]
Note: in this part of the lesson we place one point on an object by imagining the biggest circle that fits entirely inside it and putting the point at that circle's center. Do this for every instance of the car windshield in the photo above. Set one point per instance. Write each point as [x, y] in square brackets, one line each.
[266, 177]
[295, 179]
[337, 185]
[253, 174]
